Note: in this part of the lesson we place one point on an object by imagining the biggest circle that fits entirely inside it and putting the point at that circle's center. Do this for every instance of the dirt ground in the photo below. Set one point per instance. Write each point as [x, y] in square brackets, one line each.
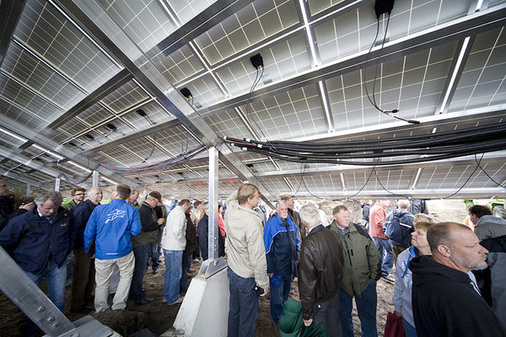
[158, 317]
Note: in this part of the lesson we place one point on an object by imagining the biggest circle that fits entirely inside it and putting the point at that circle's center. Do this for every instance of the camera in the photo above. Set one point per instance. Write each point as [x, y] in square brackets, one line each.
[258, 290]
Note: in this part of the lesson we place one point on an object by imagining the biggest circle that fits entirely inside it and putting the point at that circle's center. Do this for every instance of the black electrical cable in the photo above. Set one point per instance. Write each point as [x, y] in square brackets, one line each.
[489, 177]
[385, 189]
[467, 180]
[368, 163]
[302, 169]
[366, 182]
[468, 136]
[473, 131]
[150, 154]
[472, 148]
[373, 100]
[307, 189]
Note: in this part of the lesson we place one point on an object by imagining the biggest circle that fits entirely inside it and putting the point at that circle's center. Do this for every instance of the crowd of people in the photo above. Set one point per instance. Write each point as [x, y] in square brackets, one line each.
[449, 279]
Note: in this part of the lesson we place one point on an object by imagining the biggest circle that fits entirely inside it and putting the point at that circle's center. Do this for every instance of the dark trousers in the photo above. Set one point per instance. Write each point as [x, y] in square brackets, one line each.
[327, 313]
[83, 279]
[243, 306]
[279, 294]
[155, 253]
[366, 307]
[187, 263]
[141, 254]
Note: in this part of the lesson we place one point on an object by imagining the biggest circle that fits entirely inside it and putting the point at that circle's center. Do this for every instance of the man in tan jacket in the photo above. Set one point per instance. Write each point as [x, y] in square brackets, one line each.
[247, 265]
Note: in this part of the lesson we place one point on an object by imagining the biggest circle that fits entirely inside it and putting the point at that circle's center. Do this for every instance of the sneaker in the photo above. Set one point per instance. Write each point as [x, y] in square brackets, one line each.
[179, 300]
[145, 300]
[388, 278]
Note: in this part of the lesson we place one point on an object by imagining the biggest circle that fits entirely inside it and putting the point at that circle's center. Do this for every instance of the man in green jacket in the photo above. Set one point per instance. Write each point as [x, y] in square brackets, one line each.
[361, 270]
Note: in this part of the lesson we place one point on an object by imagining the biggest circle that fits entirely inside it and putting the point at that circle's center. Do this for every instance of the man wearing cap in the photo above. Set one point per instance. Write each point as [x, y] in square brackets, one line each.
[142, 244]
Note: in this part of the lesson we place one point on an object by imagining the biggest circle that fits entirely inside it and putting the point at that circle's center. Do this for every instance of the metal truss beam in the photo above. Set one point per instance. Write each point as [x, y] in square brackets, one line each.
[95, 20]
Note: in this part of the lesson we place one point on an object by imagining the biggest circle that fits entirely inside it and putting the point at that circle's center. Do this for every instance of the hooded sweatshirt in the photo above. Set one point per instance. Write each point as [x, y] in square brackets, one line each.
[446, 304]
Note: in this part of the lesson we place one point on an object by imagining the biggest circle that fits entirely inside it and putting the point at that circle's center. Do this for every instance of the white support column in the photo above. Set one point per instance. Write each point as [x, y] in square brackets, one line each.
[213, 204]
[94, 182]
[57, 184]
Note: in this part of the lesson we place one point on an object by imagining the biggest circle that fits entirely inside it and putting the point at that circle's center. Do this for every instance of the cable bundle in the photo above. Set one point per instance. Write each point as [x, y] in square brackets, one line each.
[157, 167]
[75, 181]
[421, 148]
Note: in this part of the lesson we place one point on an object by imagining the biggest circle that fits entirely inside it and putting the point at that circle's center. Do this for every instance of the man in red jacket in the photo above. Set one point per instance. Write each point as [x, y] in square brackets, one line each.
[376, 220]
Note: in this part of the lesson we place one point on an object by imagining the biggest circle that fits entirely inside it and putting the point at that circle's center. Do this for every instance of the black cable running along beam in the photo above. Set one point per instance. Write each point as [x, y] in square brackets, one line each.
[432, 147]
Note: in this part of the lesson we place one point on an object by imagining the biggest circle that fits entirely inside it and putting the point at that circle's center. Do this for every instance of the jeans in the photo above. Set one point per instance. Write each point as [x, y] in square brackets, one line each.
[55, 278]
[104, 270]
[386, 255]
[187, 263]
[278, 296]
[141, 264]
[366, 307]
[409, 329]
[173, 271]
[243, 306]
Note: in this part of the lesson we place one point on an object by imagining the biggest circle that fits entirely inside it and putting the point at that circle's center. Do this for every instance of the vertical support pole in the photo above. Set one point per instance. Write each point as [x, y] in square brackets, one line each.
[28, 189]
[57, 184]
[94, 182]
[213, 204]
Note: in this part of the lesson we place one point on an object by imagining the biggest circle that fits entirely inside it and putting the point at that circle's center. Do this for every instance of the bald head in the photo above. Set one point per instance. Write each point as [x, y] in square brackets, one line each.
[456, 246]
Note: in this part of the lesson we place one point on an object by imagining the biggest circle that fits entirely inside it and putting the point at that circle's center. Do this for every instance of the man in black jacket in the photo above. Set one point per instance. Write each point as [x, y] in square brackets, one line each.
[446, 302]
[83, 278]
[320, 271]
[142, 245]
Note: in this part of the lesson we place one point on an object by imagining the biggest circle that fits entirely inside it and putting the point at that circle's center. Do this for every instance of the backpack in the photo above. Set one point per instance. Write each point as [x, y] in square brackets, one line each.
[397, 230]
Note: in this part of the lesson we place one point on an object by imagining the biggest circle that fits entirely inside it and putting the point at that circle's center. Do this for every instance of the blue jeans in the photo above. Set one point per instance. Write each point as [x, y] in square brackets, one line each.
[141, 254]
[173, 271]
[409, 329]
[187, 263]
[366, 307]
[278, 296]
[55, 278]
[386, 255]
[243, 306]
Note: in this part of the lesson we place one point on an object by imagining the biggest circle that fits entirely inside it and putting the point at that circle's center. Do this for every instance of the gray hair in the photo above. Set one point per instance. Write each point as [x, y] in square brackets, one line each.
[279, 203]
[55, 197]
[403, 203]
[205, 206]
[310, 215]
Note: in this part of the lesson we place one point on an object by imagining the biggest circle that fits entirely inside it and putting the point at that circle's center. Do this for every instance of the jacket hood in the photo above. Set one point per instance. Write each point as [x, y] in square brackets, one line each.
[490, 219]
[426, 270]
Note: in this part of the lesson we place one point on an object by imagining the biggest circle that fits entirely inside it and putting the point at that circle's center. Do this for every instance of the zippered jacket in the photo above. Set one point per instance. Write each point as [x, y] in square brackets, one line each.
[111, 227]
[361, 259]
[32, 240]
[282, 247]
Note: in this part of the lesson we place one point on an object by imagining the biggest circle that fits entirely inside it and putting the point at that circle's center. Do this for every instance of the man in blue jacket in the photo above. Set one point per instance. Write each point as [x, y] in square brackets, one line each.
[282, 252]
[111, 227]
[40, 240]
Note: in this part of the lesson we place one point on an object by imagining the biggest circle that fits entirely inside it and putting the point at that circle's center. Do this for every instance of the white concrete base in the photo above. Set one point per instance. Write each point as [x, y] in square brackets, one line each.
[204, 311]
